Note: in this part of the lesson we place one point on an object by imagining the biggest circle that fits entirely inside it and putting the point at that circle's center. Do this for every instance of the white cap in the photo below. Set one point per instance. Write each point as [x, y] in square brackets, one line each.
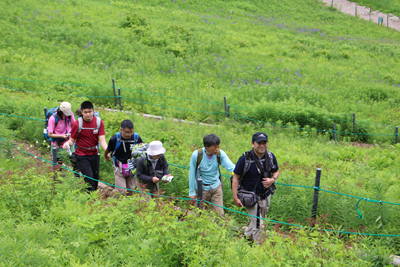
[65, 107]
[155, 148]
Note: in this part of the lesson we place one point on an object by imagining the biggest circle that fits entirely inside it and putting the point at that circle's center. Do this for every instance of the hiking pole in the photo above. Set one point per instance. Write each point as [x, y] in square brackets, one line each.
[316, 192]
[54, 161]
[199, 191]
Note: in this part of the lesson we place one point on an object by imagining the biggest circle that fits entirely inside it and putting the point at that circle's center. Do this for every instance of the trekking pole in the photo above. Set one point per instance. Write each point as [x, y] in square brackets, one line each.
[54, 161]
[199, 191]
[316, 192]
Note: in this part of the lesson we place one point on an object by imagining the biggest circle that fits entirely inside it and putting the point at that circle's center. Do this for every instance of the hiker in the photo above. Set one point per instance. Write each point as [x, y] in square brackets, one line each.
[87, 132]
[205, 163]
[253, 182]
[121, 146]
[59, 129]
[151, 168]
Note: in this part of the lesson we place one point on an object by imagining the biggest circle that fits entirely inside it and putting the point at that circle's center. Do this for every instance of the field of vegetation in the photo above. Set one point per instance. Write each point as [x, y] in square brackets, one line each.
[293, 64]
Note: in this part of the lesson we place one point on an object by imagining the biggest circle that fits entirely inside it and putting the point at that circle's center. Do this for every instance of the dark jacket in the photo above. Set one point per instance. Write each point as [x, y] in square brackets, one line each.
[146, 173]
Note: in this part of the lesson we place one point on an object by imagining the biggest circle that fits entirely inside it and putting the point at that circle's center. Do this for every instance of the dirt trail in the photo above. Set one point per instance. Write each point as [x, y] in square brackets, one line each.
[364, 12]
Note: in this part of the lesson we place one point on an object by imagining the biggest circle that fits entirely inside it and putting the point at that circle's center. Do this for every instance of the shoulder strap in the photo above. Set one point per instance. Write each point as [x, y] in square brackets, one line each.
[55, 119]
[247, 163]
[118, 135]
[199, 157]
[136, 137]
[80, 121]
[98, 121]
[219, 158]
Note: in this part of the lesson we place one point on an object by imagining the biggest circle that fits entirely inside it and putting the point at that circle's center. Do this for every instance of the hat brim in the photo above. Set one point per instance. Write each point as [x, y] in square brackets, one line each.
[258, 140]
[68, 113]
[155, 152]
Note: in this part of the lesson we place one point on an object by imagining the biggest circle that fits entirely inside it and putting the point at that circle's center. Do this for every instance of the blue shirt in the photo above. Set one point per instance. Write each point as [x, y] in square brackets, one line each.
[209, 170]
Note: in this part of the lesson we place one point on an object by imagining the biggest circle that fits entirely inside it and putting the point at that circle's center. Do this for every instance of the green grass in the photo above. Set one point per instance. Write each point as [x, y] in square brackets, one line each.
[302, 66]
[296, 61]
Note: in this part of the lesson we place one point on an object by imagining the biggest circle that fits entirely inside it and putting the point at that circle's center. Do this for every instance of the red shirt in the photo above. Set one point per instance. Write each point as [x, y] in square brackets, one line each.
[87, 138]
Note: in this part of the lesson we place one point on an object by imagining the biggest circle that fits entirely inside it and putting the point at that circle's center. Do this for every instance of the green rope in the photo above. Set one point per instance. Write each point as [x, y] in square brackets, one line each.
[173, 97]
[8, 78]
[16, 89]
[212, 112]
[21, 117]
[181, 198]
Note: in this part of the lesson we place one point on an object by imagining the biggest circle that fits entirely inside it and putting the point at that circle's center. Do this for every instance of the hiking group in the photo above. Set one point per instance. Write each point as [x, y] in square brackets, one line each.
[137, 164]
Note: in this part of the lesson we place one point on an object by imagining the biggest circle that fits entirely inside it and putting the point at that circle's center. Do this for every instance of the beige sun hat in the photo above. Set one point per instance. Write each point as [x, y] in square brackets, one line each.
[65, 107]
[155, 148]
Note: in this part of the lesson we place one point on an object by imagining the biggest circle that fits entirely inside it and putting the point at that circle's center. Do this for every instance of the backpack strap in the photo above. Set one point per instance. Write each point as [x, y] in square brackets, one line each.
[199, 157]
[80, 128]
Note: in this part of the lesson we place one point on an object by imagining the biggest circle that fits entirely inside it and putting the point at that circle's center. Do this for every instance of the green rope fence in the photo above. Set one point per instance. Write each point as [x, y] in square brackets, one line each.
[160, 95]
[232, 210]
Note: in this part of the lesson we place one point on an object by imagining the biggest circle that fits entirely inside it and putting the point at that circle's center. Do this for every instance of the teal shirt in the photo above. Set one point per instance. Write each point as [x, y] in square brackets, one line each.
[209, 170]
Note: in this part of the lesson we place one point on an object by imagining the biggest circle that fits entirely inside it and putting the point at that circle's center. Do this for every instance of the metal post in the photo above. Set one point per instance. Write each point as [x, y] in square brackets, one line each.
[397, 133]
[115, 95]
[229, 110]
[54, 161]
[387, 21]
[316, 192]
[355, 15]
[200, 193]
[119, 97]
[226, 114]
[332, 4]
[354, 125]
[334, 130]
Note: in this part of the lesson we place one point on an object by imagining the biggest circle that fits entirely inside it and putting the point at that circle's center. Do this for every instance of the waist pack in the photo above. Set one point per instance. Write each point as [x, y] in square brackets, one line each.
[248, 198]
[124, 169]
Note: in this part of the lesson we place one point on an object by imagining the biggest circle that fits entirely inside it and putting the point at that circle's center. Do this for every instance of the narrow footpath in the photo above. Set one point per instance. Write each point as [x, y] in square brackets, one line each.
[363, 12]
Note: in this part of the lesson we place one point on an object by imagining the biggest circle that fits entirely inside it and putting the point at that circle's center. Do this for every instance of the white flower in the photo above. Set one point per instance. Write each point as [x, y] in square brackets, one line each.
[183, 242]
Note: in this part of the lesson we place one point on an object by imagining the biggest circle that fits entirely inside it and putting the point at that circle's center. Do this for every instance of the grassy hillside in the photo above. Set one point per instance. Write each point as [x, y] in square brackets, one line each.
[285, 62]
[293, 64]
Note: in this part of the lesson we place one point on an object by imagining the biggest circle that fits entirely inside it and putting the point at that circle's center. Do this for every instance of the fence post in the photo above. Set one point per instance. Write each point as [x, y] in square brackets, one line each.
[355, 15]
[119, 97]
[387, 21]
[354, 126]
[397, 133]
[229, 111]
[115, 95]
[54, 161]
[226, 114]
[332, 4]
[200, 193]
[334, 130]
[316, 192]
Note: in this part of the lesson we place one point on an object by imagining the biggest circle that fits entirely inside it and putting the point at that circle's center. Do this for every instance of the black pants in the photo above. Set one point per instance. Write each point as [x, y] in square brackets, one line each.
[89, 166]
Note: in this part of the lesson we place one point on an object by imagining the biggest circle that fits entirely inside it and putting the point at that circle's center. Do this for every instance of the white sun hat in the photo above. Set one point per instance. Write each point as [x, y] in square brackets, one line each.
[65, 107]
[155, 148]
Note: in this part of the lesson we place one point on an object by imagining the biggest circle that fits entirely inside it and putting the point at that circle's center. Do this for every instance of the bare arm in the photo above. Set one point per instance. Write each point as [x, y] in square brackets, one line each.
[53, 135]
[70, 142]
[235, 186]
[107, 155]
[103, 142]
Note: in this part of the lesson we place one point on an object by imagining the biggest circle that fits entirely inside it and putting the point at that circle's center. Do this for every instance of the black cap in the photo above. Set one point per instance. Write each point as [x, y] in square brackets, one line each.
[258, 137]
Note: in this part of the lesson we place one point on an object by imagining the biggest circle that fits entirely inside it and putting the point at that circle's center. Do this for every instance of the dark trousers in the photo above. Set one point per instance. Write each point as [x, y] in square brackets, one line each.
[89, 166]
